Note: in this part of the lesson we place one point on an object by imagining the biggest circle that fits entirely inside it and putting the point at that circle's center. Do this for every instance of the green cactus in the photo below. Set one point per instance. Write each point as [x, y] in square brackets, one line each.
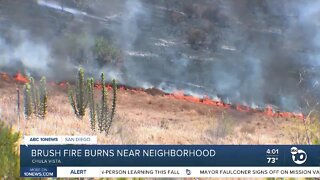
[90, 88]
[113, 107]
[43, 98]
[99, 118]
[71, 99]
[36, 102]
[104, 104]
[28, 105]
[114, 100]
[105, 115]
[84, 96]
[79, 103]
[80, 94]
[34, 95]
[102, 108]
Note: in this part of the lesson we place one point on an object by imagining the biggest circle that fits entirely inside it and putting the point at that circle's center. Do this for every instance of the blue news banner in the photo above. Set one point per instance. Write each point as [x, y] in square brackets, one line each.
[43, 160]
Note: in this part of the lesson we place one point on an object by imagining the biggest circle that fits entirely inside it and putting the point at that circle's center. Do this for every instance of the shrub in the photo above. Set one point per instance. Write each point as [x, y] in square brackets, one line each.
[105, 53]
[177, 17]
[211, 13]
[225, 125]
[9, 157]
[196, 38]
[312, 127]
[314, 132]
[308, 132]
[189, 9]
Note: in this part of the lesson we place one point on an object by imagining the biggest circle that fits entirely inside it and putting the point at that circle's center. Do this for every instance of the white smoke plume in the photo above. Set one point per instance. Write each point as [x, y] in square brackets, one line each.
[23, 52]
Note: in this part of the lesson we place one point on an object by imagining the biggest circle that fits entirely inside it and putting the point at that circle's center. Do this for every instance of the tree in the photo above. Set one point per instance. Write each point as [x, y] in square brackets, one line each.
[9, 156]
[105, 53]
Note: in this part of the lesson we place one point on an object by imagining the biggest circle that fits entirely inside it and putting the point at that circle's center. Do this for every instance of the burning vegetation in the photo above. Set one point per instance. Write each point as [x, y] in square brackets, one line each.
[20, 78]
[164, 111]
[267, 111]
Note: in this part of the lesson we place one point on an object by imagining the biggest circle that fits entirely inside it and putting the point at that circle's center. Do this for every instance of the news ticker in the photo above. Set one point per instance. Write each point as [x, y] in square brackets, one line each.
[171, 172]
[170, 160]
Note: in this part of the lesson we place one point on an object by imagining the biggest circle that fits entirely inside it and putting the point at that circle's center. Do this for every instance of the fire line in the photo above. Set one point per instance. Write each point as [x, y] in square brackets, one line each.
[180, 95]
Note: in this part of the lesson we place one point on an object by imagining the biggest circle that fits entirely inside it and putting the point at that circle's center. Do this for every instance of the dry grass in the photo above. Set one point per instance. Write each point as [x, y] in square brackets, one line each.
[145, 119]
[306, 133]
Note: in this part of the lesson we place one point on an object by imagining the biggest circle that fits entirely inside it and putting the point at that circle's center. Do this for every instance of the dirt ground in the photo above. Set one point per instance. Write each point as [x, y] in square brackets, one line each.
[151, 118]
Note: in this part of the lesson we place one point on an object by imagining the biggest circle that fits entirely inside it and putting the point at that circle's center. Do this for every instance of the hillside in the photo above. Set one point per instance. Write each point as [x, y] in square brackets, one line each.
[248, 52]
[152, 118]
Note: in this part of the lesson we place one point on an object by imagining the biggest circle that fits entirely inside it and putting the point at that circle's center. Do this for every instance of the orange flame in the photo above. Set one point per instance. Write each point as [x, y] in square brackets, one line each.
[99, 86]
[269, 111]
[62, 84]
[109, 87]
[242, 108]
[20, 78]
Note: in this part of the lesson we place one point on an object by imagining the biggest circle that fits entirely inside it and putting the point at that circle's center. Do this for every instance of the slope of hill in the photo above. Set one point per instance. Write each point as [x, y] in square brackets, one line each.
[143, 118]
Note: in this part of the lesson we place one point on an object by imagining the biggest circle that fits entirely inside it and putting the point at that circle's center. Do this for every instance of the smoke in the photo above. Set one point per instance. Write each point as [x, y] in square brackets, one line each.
[127, 33]
[274, 49]
[18, 51]
[251, 52]
[258, 58]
